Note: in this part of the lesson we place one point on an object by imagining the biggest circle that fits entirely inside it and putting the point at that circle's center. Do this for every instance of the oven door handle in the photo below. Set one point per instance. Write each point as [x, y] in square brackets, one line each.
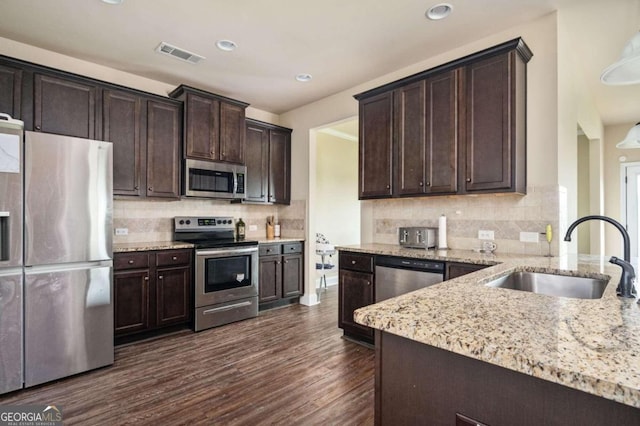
[223, 252]
[226, 308]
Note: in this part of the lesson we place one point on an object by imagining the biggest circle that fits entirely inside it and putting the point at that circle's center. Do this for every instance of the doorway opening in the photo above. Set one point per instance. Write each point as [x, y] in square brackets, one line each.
[629, 186]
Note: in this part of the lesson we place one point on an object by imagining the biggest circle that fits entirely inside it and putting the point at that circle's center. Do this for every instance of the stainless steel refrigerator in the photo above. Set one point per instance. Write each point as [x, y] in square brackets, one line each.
[58, 318]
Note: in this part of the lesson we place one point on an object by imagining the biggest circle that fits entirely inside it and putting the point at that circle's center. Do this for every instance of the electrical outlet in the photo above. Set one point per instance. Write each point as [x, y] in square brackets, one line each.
[485, 235]
[529, 237]
[122, 231]
[253, 227]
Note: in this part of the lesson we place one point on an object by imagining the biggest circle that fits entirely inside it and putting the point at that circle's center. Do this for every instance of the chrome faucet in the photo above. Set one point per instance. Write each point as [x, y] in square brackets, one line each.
[625, 286]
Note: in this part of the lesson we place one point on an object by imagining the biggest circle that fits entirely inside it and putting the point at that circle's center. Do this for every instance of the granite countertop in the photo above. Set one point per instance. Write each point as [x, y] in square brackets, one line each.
[168, 245]
[589, 345]
[155, 245]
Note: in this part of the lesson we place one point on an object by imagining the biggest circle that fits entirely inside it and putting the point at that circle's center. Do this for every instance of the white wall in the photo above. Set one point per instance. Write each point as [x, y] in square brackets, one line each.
[337, 206]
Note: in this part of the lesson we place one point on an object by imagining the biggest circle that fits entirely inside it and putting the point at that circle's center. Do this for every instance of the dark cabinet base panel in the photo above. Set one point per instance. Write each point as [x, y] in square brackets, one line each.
[421, 384]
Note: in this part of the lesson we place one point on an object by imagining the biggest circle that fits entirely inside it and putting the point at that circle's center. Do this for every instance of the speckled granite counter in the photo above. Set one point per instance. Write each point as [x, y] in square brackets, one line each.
[589, 345]
[155, 245]
[279, 240]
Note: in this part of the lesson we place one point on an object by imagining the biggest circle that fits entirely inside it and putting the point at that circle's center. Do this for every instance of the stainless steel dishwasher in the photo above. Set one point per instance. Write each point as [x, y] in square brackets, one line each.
[400, 275]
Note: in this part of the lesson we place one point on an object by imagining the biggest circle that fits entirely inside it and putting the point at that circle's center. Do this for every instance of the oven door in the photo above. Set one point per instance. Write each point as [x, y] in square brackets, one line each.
[225, 274]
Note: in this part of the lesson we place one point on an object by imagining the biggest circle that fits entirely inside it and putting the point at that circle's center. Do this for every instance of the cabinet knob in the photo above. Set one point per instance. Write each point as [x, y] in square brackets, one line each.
[368, 282]
[277, 262]
[151, 188]
[146, 278]
[160, 277]
[468, 179]
[428, 183]
[136, 187]
[421, 184]
[353, 262]
[130, 262]
[388, 186]
[174, 258]
[38, 128]
[286, 261]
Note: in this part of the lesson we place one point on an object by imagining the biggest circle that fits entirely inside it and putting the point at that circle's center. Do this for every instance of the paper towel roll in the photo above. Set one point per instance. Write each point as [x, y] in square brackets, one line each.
[442, 232]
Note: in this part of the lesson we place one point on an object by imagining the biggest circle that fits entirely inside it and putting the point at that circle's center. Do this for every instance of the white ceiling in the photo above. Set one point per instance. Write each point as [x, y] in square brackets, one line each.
[341, 43]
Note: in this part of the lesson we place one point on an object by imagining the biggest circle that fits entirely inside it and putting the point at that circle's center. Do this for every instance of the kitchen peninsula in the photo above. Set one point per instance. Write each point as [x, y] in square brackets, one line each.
[499, 356]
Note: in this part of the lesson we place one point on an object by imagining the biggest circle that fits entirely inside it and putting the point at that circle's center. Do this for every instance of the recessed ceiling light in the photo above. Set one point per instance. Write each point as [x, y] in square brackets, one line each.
[113, 1]
[226, 45]
[439, 11]
[304, 77]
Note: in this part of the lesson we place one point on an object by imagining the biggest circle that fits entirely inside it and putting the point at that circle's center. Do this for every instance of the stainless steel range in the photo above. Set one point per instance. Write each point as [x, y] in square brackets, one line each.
[226, 271]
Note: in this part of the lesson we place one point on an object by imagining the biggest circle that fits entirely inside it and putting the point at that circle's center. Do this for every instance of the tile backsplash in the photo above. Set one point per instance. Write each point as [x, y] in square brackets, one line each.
[505, 214]
[152, 220]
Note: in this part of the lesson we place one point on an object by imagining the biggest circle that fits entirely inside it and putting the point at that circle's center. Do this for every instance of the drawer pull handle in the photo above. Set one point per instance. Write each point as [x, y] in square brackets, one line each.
[174, 258]
[146, 278]
[368, 282]
[130, 262]
[353, 262]
[160, 277]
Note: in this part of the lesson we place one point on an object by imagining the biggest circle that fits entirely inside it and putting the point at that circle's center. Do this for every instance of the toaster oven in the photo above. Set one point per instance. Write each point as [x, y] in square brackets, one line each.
[418, 237]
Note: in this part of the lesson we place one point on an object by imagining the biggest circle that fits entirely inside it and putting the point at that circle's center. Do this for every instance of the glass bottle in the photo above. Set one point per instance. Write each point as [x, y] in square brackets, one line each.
[240, 230]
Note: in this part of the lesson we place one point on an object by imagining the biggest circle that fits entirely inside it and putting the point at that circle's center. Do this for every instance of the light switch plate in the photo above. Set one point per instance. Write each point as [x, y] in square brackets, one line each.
[529, 237]
[485, 235]
[253, 227]
[122, 231]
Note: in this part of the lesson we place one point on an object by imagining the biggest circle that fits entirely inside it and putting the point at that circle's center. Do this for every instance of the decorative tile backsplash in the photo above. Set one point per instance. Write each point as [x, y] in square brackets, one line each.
[505, 214]
[151, 220]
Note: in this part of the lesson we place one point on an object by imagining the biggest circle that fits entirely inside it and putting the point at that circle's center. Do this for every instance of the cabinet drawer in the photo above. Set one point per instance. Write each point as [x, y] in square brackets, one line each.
[292, 248]
[269, 249]
[131, 261]
[170, 258]
[356, 262]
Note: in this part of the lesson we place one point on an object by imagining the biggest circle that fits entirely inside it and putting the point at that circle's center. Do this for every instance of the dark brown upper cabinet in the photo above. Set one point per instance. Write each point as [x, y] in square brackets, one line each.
[455, 129]
[375, 156]
[426, 135]
[11, 91]
[268, 161]
[163, 149]
[213, 126]
[65, 106]
[123, 123]
[494, 149]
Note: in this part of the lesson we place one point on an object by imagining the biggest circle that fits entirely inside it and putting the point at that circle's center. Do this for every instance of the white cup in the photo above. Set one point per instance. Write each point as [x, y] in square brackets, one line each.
[489, 246]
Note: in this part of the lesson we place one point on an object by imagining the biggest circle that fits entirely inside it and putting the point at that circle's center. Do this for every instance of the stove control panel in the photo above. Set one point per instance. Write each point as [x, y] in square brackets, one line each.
[208, 223]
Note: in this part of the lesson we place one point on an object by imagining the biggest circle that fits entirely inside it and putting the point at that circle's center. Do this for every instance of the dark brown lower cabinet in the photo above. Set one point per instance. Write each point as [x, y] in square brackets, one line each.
[455, 269]
[418, 384]
[152, 290]
[355, 290]
[281, 273]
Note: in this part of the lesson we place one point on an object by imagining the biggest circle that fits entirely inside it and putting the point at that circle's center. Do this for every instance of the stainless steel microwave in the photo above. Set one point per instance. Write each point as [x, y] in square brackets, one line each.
[210, 179]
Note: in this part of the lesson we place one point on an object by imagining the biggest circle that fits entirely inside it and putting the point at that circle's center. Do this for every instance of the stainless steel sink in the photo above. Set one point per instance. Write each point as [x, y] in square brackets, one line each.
[552, 284]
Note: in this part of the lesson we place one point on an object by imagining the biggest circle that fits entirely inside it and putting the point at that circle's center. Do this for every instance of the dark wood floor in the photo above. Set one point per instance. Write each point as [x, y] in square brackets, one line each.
[289, 366]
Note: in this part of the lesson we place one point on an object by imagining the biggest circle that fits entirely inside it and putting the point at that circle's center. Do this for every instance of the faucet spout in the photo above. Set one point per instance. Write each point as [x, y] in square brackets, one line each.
[623, 231]
[626, 287]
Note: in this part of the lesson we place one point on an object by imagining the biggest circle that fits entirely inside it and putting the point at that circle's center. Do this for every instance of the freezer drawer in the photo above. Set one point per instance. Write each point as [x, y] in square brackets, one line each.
[68, 320]
[10, 330]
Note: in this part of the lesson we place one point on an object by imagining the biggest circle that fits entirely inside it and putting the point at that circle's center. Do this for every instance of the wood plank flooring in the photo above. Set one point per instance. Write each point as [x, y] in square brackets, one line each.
[288, 366]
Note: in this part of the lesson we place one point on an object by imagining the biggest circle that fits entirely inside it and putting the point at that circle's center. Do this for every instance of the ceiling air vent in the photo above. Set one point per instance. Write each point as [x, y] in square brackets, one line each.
[176, 52]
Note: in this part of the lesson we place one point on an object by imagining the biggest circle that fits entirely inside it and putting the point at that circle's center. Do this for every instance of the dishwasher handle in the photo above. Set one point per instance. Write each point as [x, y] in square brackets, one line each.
[410, 264]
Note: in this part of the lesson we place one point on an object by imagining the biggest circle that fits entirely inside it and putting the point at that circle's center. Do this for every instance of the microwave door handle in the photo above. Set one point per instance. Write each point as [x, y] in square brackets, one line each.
[235, 183]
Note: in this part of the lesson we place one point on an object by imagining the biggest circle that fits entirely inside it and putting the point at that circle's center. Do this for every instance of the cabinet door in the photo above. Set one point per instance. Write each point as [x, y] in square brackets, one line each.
[10, 91]
[279, 167]
[355, 291]
[488, 130]
[173, 289]
[410, 128]
[131, 301]
[202, 127]
[231, 133]
[64, 107]
[122, 125]
[442, 133]
[163, 149]
[257, 162]
[376, 144]
[292, 275]
[270, 276]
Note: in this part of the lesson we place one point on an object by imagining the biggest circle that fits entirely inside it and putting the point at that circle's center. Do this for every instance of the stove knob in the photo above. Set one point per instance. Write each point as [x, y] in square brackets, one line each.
[188, 222]
[229, 222]
[219, 221]
[181, 222]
